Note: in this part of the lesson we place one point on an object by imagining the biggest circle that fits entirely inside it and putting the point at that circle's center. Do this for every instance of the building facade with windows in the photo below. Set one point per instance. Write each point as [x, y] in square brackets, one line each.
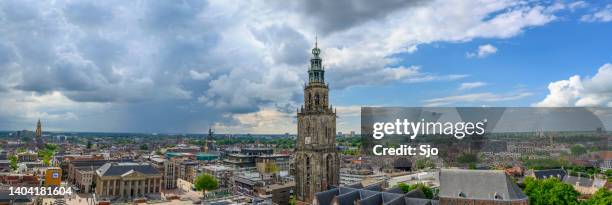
[127, 180]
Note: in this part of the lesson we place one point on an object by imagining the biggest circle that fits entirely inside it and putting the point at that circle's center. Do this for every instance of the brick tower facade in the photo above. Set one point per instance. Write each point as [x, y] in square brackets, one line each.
[317, 162]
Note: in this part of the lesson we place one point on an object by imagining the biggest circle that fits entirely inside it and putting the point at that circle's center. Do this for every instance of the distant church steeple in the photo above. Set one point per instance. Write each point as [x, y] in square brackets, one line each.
[38, 129]
[38, 136]
[208, 142]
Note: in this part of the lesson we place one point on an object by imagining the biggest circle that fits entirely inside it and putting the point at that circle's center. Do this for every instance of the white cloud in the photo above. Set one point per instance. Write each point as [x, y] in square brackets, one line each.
[199, 75]
[601, 15]
[577, 5]
[264, 121]
[483, 51]
[581, 91]
[473, 98]
[471, 85]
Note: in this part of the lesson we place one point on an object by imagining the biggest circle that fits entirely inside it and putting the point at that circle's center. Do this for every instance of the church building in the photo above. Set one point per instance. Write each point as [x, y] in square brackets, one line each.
[317, 162]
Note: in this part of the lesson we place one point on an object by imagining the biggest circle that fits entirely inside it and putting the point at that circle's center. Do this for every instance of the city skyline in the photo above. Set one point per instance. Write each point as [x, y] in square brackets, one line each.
[153, 67]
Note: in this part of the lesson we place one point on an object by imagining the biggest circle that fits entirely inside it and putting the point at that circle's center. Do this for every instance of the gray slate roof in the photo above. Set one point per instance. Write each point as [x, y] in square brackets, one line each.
[396, 190]
[387, 197]
[325, 197]
[120, 168]
[478, 184]
[374, 187]
[416, 201]
[454, 183]
[373, 195]
[396, 201]
[416, 193]
[357, 185]
[543, 174]
[372, 200]
[348, 198]
[572, 180]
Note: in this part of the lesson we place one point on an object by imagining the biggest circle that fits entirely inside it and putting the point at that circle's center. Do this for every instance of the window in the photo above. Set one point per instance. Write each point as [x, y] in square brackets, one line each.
[462, 195]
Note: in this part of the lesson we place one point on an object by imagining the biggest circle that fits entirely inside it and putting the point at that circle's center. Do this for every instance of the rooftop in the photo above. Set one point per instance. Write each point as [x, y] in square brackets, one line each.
[547, 173]
[120, 168]
[217, 168]
[478, 184]
[371, 195]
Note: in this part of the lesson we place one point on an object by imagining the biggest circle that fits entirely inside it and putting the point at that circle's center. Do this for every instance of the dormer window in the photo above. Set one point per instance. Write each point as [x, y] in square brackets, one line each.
[462, 195]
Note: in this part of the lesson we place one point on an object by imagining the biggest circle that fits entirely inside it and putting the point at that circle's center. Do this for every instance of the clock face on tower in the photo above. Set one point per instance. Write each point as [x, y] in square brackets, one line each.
[307, 140]
[316, 51]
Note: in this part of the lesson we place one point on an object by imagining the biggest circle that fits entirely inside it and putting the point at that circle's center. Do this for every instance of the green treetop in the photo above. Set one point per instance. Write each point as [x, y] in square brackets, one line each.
[206, 182]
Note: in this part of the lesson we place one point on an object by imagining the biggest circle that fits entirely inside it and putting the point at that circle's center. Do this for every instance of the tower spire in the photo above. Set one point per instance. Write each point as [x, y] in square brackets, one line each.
[316, 74]
[38, 134]
[315, 147]
[208, 142]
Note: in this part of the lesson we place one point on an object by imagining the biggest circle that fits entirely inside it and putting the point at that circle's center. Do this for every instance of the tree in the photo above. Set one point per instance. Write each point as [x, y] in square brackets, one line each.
[47, 153]
[424, 188]
[206, 182]
[352, 152]
[578, 150]
[47, 160]
[292, 200]
[601, 197]
[549, 191]
[25, 139]
[424, 163]
[144, 147]
[13, 162]
[21, 150]
[467, 158]
[271, 167]
[405, 187]
[89, 144]
[608, 173]
[52, 147]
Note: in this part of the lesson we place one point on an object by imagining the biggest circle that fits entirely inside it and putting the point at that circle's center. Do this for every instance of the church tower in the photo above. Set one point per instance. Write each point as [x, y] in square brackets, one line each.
[208, 142]
[38, 135]
[317, 162]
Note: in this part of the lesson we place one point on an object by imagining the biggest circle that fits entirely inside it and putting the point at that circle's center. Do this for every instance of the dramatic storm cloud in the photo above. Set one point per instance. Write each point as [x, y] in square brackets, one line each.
[180, 66]
[331, 16]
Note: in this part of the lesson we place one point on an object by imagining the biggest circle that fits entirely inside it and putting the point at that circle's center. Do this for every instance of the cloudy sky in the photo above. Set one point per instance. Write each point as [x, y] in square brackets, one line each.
[181, 66]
